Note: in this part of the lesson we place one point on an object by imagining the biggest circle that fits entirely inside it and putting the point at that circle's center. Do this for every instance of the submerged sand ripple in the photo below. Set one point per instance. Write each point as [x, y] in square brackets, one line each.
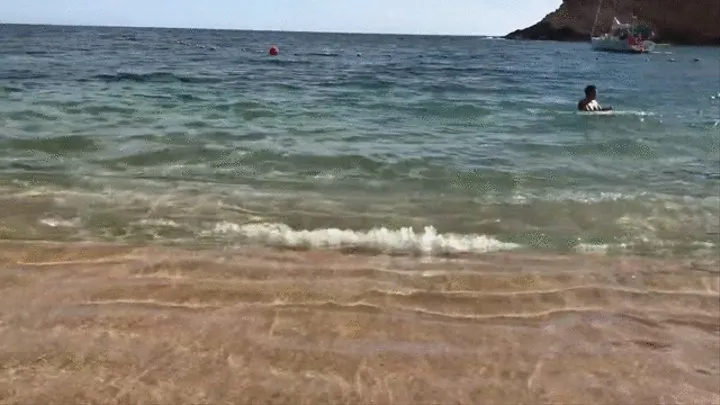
[88, 323]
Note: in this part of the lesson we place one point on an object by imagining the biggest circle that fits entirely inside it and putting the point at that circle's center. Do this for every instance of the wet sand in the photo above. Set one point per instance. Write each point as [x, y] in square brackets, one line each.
[88, 323]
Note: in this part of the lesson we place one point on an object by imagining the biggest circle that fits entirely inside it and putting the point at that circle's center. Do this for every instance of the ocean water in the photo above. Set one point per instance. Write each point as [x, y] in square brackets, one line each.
[401, 144]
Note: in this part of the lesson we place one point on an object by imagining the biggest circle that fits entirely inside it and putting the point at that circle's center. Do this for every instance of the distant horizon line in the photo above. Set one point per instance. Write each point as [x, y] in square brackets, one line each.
[253, 30]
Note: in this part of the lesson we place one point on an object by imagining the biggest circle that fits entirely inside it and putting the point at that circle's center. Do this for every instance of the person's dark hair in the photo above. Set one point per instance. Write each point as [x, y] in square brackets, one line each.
[589, 89]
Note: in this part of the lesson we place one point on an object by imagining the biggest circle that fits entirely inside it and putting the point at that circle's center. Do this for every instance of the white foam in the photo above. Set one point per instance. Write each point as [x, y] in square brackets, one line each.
[658, 246]
[404, 240]
[590, 248]
[160, 222]
[59, 222]
[577, 196]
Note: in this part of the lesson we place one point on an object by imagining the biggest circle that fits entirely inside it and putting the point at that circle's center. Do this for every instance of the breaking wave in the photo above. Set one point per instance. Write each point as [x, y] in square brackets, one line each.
[404, 240]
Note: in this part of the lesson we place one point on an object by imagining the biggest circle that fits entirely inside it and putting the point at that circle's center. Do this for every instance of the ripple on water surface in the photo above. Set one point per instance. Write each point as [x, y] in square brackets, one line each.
[423, 145]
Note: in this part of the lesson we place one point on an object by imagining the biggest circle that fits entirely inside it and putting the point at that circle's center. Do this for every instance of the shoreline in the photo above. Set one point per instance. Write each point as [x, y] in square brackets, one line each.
[113, 323]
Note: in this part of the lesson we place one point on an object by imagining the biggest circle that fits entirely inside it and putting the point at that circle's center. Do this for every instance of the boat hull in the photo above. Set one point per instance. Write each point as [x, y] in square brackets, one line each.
[611, 44]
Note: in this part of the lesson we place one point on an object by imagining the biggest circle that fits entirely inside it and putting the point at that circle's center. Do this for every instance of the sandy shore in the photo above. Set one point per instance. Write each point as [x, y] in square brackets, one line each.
[116, 324]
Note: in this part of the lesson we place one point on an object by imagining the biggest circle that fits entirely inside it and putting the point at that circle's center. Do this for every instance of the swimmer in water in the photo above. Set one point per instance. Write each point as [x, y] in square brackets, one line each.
[589, 103]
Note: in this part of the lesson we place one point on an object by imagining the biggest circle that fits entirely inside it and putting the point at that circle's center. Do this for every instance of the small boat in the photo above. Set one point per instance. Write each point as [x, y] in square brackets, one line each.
[626, 38]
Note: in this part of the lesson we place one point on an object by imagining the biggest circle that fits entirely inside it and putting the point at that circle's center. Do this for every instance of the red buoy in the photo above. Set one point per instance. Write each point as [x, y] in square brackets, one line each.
[274, 50]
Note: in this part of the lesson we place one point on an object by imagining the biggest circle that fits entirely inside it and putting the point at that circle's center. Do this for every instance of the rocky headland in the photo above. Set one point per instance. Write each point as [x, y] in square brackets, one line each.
[689, 22]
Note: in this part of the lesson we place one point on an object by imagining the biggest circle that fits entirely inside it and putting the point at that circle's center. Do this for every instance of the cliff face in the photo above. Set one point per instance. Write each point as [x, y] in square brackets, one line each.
[686, 22]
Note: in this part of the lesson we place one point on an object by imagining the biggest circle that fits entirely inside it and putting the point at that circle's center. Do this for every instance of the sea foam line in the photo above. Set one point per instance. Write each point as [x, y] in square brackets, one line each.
[404, 240]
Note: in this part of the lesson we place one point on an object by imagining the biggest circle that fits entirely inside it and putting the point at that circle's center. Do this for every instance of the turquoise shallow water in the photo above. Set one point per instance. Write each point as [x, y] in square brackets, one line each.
[425, 144]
